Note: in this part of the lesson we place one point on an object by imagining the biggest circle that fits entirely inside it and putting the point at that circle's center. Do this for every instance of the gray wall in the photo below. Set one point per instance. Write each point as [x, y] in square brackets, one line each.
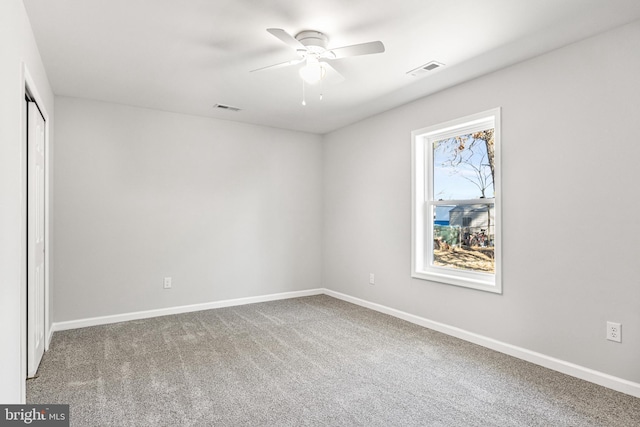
[228, 210]
[570, 124]
[17, 49]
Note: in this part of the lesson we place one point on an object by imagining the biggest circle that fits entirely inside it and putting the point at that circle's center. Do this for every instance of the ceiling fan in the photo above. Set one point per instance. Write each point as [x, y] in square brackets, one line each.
[311, 47]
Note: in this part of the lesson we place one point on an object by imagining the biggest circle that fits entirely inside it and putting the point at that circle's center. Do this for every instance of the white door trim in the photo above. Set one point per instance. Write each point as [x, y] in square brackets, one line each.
[27, 83]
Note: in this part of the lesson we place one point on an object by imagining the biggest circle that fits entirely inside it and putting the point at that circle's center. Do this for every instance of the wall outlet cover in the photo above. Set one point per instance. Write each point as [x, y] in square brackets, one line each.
[614, 331]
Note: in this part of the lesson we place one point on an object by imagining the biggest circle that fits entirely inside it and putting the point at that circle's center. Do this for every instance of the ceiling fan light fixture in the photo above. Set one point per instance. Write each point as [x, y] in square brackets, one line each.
[312, 72]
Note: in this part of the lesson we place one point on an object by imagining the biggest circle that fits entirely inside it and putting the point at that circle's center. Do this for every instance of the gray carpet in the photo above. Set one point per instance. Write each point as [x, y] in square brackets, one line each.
[306, 361]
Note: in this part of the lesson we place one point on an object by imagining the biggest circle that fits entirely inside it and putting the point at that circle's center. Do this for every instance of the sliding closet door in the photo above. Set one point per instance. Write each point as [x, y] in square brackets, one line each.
[35, 238]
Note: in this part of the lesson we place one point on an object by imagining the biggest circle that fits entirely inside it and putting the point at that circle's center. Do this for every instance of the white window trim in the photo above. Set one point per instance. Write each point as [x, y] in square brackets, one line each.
[421, 195]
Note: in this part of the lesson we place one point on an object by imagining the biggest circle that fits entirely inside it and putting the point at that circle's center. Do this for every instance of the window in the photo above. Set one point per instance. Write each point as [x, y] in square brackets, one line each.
[456, 205]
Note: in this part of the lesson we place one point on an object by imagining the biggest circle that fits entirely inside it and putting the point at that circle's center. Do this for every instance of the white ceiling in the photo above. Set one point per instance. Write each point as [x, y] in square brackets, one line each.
[187, 55]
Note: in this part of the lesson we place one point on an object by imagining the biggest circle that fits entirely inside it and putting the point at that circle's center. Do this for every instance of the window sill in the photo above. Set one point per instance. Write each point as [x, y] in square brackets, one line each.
[483, 282]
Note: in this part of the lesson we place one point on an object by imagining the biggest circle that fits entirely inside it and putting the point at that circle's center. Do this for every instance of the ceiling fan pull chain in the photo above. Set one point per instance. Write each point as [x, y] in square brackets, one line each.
[304, 102]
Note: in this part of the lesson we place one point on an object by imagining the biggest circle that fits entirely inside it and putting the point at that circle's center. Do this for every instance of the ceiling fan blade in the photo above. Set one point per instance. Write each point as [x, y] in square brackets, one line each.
[357, 49]
[280, 65]
[286, 38]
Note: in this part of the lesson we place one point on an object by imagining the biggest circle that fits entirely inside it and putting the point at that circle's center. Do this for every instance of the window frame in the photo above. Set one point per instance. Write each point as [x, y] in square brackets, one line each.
[422, 223]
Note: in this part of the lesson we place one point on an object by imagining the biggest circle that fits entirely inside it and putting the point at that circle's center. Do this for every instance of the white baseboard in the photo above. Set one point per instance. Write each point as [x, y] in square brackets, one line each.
[104, 320]
[600, 378]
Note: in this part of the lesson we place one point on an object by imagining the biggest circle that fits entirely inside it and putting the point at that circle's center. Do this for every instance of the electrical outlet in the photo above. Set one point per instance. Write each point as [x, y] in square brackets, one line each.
[167, 282]
[614, 331]
[372, 279]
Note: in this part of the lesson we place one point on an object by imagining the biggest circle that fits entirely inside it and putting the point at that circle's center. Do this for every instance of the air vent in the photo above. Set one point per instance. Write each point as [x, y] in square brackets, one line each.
[429, 66]
[226, 107]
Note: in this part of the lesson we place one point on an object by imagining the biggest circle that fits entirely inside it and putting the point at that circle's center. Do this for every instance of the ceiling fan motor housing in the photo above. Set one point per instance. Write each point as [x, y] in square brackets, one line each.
[314, 41]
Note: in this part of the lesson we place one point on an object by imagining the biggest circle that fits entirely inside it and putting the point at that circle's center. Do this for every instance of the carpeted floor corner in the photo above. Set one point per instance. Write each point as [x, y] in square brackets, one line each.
[312, 361]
